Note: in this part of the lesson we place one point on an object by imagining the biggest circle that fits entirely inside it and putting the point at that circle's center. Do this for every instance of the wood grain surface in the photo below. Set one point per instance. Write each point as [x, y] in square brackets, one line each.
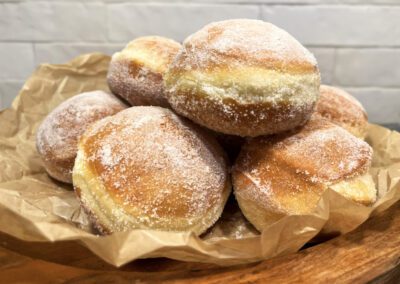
[369, 254]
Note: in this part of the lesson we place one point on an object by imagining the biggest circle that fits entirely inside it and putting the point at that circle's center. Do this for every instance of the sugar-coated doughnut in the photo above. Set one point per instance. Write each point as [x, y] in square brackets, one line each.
[136, 73]
[286, 174]
[243, 77]
[57, 136]
[342, 109]
[147, 168]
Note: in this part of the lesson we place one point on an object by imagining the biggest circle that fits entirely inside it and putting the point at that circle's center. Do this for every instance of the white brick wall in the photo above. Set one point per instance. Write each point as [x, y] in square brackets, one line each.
[63, 52]
[126, 21]
[357, 43]
[366, 67]
[53, 21]
[16, 60]
[326, 62]
[382, 104]
[338, 25]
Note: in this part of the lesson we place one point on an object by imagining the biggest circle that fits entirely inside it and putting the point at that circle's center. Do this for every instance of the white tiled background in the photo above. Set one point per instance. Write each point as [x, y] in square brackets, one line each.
[357, 43]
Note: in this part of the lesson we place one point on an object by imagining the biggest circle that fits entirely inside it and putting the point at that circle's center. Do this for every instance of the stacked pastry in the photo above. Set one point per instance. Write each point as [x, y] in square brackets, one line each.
[152, 155]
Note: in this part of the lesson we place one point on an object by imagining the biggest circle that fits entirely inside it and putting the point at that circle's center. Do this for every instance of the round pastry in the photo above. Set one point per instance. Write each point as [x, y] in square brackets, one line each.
[147, 168]
[57, 136]
[342, 109]
[243, 77]
[136, 73]
[286, 174]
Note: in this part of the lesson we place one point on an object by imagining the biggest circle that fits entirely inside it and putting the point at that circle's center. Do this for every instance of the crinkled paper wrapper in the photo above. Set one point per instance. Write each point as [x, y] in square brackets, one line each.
[34, 207]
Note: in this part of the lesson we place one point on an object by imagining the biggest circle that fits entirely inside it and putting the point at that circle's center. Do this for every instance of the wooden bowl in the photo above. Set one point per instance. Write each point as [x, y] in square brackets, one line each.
[371, 253]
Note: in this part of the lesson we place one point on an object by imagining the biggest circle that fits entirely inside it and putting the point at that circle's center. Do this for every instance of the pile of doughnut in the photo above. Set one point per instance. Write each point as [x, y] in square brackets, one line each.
[237, 107]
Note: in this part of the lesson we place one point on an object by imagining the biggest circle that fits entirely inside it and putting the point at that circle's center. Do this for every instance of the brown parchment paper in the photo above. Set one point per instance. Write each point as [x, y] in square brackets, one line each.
[34, 207]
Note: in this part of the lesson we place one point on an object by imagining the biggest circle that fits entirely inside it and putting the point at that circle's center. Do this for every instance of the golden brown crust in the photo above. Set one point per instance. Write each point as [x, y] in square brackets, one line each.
[145, 92]
[59, 168]
[244, 42]
[57, 136]
[136, 73]
[148, 168]
[119, 181]
[232, 117]
[244, 78]
[286, 174]
[342, 109]
[163, 49]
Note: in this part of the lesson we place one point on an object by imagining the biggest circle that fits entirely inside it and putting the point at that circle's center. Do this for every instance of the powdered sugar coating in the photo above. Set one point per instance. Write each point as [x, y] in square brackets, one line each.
[242, 42]
[325, 153]
[136, 72]
[244, 71]
[137, 85]
[342, 109]
[290, 171]
[156, 168]
[57, 136]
